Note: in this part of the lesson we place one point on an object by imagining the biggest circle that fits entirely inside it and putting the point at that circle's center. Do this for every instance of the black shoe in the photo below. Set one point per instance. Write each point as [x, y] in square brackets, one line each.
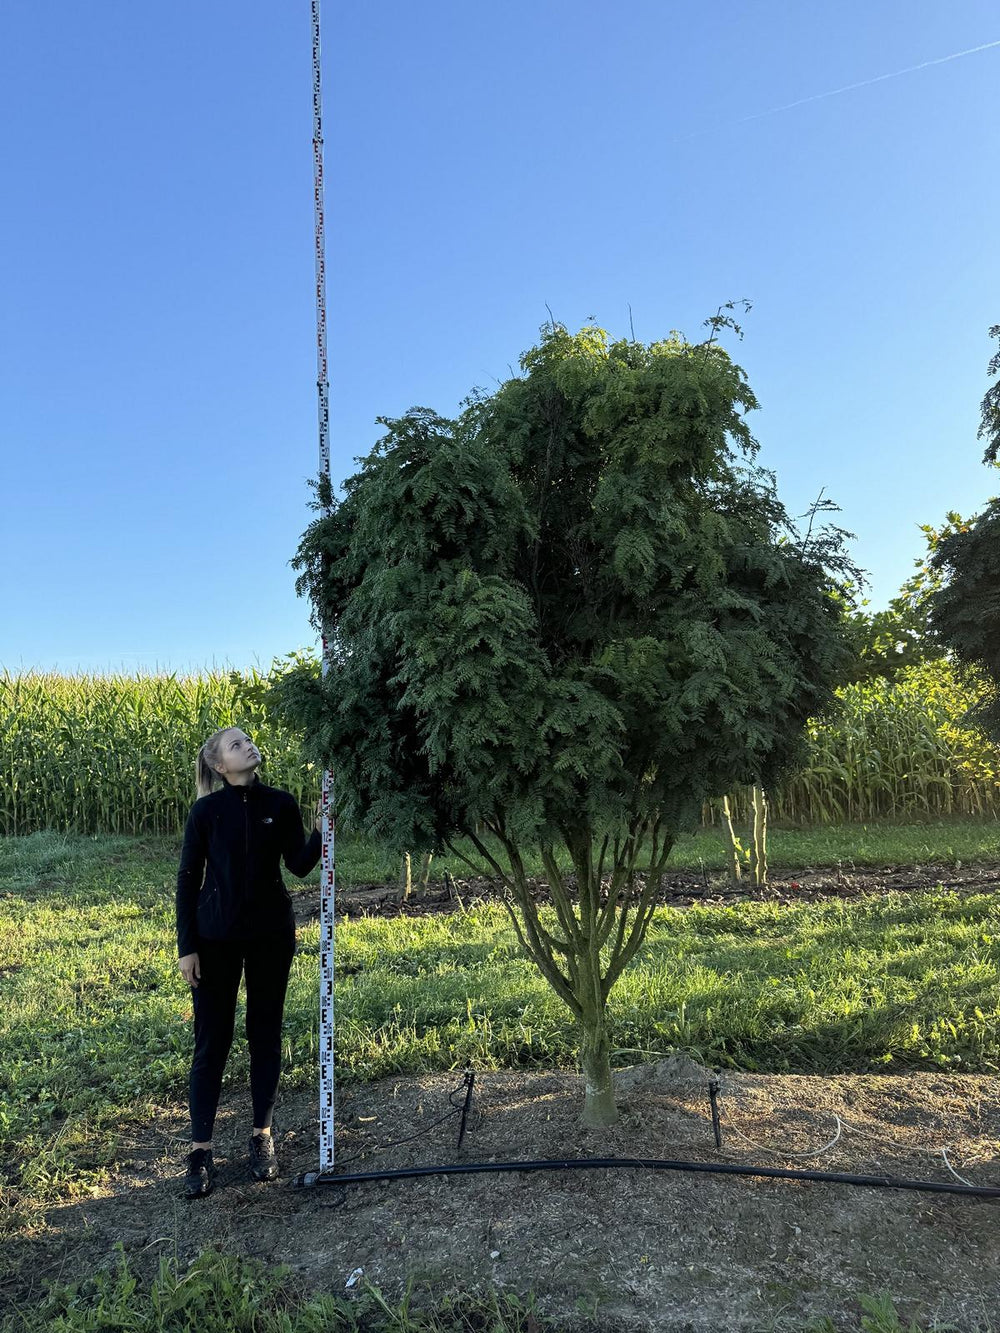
[201, 1173]
[263, 1164]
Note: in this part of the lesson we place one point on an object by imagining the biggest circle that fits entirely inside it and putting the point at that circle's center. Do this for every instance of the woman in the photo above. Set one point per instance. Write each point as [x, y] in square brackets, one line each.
[239, 920]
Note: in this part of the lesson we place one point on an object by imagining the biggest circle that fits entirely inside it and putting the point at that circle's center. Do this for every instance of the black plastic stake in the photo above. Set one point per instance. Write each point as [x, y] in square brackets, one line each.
[713, 1091]
[470, 1083]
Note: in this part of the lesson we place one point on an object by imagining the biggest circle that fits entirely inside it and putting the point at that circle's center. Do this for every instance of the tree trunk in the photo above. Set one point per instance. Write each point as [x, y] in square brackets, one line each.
[425, 869]
[585, 941]
[595, 1059]
[759, 836]
[733, 844]
[405, 879]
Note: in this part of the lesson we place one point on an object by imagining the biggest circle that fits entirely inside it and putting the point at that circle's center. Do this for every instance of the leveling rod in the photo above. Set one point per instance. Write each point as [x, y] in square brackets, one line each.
[326, 894]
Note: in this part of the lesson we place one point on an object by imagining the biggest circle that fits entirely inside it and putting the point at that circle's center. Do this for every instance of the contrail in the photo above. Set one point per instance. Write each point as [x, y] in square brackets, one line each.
[849, 87]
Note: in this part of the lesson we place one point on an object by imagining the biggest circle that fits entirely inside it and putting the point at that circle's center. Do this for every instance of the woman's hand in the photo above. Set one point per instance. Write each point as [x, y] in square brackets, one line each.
[190, 967]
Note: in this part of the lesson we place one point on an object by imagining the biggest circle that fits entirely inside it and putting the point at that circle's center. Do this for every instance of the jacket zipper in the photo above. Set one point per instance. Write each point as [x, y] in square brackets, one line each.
[246, 851]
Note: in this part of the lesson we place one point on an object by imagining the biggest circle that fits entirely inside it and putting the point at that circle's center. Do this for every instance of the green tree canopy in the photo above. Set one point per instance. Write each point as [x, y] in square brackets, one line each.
[570, 616]
[885, 642]
[989, 422]
[965, 606]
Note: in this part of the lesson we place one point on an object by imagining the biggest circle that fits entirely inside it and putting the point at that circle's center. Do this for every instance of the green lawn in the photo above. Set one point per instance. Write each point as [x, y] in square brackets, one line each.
[95, 1023]
[57, 856]
[795, 849]
[96, 1019]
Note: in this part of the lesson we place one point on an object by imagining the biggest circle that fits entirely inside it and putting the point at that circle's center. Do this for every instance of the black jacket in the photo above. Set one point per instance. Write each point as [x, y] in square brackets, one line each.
[235, 838]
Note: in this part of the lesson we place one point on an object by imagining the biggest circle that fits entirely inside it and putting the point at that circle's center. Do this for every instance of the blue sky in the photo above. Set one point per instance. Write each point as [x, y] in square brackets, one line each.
[157, 354]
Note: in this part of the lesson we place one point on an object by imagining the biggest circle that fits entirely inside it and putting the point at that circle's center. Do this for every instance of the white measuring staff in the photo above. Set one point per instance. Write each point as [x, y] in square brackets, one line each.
[326, 892]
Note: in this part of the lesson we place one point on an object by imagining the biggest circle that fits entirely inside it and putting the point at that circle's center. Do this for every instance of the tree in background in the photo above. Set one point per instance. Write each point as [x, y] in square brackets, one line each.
[965, 606]
[885, 642]
[989, 421]
[568, 617]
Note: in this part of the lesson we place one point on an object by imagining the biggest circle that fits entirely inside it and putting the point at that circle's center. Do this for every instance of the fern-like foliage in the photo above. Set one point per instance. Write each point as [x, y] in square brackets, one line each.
[574, 612]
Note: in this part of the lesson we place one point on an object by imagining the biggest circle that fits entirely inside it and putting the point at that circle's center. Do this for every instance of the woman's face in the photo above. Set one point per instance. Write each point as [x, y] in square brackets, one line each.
[238, 754]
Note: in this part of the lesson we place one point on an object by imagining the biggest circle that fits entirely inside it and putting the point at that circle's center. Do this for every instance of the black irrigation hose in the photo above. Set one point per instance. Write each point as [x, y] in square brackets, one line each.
[310, 1178]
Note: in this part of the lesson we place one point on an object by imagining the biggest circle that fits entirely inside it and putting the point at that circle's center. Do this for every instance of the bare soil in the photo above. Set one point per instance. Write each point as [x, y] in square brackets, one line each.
[609, 1248]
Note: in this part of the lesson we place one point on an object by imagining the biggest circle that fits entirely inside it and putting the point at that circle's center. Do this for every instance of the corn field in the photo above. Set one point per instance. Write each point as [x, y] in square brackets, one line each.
[896, 750]
[116, 754]
[95, 754]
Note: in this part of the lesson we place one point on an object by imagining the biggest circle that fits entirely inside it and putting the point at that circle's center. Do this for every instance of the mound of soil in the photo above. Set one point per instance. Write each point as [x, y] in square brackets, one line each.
[615, 1249]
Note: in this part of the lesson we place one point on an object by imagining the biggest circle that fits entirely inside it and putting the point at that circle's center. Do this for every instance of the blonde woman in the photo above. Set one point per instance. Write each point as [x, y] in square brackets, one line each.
[234, 916]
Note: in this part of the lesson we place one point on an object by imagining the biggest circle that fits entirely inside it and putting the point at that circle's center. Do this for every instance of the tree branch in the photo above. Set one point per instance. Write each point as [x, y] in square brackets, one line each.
[600, 862]
[624, 870]
[543, 957]
[578, 844]
[623, 955]
[455, 852]
[560, 898]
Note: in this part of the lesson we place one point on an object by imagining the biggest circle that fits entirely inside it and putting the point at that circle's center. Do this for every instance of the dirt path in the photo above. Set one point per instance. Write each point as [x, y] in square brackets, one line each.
[680, 888]
[677, 1251]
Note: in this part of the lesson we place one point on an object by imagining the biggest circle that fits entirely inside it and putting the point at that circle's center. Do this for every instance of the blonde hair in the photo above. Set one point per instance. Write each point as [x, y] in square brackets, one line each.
[208, 756]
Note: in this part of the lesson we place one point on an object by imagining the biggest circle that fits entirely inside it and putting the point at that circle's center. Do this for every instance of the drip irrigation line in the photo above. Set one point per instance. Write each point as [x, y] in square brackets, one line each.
[879, 1138]
[312, 1178]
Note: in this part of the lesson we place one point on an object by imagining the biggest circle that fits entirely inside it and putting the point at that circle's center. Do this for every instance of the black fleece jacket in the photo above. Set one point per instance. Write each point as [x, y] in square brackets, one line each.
[235, 838]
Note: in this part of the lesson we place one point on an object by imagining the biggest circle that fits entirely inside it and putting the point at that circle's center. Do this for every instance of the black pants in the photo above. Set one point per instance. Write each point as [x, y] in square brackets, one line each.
[267, 963]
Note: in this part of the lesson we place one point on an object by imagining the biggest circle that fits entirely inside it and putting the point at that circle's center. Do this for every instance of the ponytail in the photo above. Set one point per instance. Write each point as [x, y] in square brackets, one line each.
[209, 754]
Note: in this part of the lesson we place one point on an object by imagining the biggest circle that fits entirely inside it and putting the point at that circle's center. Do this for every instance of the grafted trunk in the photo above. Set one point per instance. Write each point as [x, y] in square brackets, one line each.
[567, 944]
[595, 1060]
[406, 875]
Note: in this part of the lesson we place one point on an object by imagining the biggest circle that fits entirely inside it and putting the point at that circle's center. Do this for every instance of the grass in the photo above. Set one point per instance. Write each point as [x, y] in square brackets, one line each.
[95, 1022]
[60, 858]
[360, 862]
[858, 846]
[95, 1026]
[221, 1293]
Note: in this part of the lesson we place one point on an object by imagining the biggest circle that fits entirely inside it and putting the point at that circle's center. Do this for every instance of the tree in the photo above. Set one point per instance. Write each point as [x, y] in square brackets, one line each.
[568, 616]
[964, 608]
[884, 642]
[757, 851]
[989, 422]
